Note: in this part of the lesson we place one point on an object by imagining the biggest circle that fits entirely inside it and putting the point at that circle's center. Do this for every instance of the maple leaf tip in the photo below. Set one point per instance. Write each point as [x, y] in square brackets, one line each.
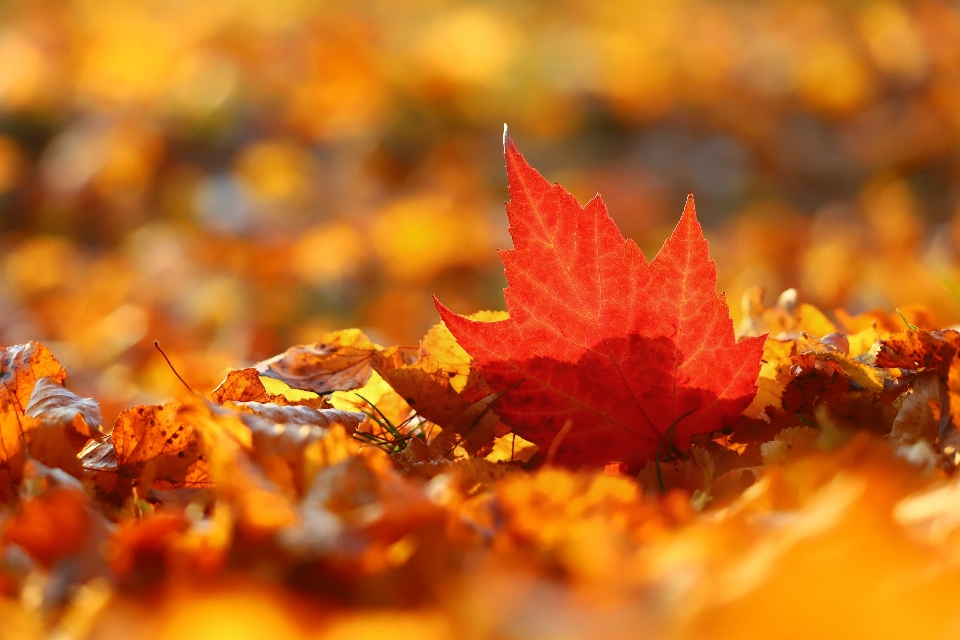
[442, 309]
[689, 208]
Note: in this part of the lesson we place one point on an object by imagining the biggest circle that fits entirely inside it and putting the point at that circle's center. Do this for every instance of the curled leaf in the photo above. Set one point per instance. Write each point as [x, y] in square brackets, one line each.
[244, 385]
[53, 404]
[338, 361]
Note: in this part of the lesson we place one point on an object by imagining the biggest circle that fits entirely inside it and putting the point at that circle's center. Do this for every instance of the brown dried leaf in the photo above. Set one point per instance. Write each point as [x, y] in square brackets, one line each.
[472, 430]
[425, 385]
[297, 415]
[419, 459]
[339, 361]
[57, 424]
[54, 405]
[950, 422]
[21, 366]
[918, 349]
[919, 414]
[438, 386]
[152, 447]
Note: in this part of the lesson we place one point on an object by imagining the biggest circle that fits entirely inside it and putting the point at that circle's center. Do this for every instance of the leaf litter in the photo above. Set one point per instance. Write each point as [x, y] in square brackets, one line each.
[604, 459]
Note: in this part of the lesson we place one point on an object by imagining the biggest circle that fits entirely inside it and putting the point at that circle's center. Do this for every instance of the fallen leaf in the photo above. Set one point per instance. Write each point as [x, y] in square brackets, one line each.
[473, 429]
[12, 452]
[425, 385]
[920, 411]
[774, 375]
[52, 526]
[918, 349]
[151, 447]
[53, 403]
[623, 348]
[261, 508]
[244, 385]
[339, 361]
[303, 416]
[375, 393]
[442, 387]
[511, 448]
[20, 368]
[292, 443]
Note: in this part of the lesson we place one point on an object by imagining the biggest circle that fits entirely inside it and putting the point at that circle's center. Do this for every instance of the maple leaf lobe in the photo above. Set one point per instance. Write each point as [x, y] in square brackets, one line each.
[622, 347]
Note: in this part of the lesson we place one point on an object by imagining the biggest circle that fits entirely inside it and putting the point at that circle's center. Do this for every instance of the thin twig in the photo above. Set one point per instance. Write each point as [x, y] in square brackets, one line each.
[156, 343]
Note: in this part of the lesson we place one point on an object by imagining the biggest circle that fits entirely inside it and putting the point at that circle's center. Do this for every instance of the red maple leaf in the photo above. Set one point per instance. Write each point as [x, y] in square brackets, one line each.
[601, 344]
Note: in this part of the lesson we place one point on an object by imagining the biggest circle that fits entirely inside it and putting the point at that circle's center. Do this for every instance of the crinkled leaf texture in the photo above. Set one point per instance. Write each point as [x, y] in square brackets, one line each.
[620, 347]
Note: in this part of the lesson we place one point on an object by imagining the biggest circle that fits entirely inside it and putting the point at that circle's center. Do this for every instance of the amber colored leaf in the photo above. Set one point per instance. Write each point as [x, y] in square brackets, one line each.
[774, 375]
[244, 385]
[472, 430]
[52, 526]
[622, 348]
[21, 366]
[918, 349]
[440, 346]
[151, 446]
[424, 385]
[292, 443]
[239, 480]
[439, 382]
[12, 452]
[812, 380]
[438, 386]
[375, 393]
[339, 361]
[138, 544]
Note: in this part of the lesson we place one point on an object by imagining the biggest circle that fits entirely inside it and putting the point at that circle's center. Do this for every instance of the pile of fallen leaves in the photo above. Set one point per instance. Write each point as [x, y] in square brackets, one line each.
[605, 459]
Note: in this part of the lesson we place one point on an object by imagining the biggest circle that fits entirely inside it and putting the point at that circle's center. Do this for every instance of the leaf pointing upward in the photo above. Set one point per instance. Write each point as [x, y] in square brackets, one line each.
[597, 336]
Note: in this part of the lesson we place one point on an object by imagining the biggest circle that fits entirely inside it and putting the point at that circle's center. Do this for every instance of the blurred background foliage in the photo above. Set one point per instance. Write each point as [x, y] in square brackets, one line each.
[232, 177]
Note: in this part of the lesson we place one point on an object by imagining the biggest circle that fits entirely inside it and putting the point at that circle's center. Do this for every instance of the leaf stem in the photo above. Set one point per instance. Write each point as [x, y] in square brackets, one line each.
[556, 442]
[671, 430]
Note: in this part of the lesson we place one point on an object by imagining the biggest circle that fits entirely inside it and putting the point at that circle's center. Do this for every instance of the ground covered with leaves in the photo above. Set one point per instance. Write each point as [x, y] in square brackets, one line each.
[604, 459]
